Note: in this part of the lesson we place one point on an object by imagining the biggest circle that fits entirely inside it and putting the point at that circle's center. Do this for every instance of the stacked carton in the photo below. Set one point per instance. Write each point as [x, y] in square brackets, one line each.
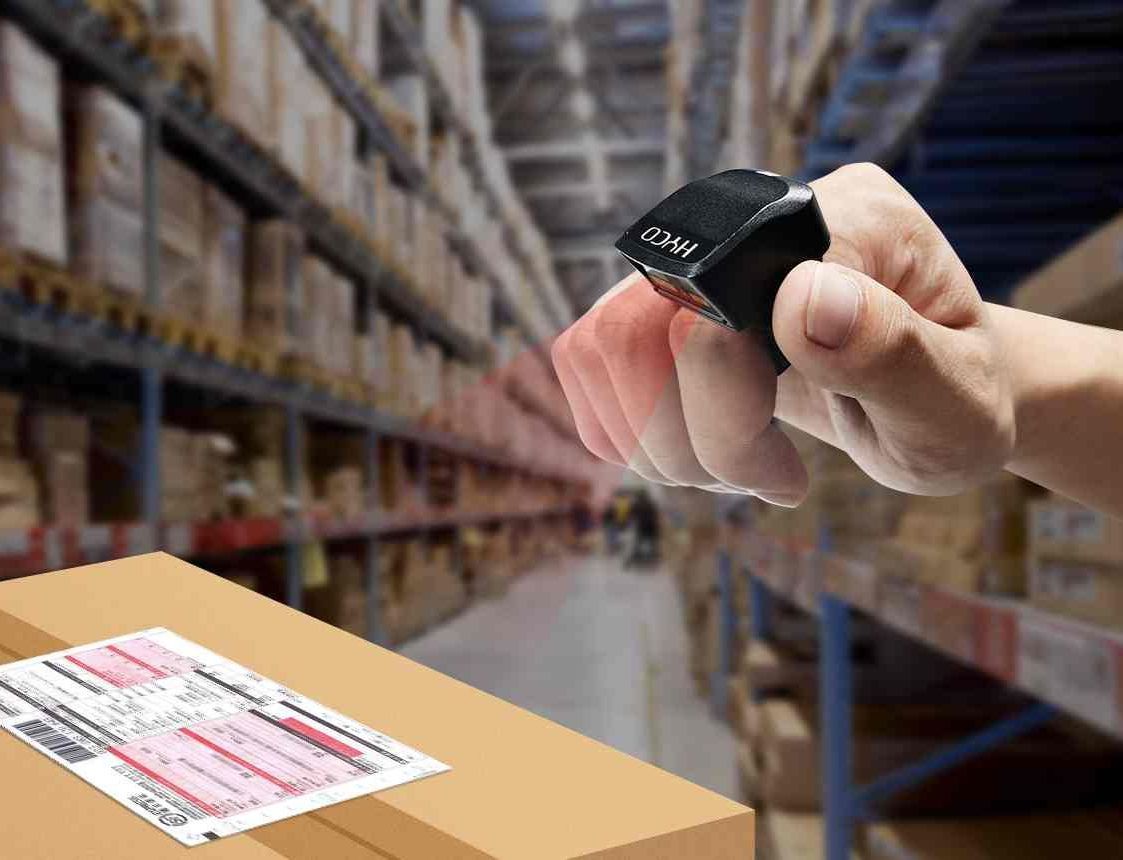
[181, 235]
[1093, 833]
[58, 444]
[410, 93]
[106, 193]
[342, 600]
[32, 202]
[259, 436]
[288, 82]
[186, 20]
[329, 316]
[224, 263]
[195, 469]
[1076, 561]
[422, 586]
[242, 73]
[971, 542]
[19, 491]
[275, 293]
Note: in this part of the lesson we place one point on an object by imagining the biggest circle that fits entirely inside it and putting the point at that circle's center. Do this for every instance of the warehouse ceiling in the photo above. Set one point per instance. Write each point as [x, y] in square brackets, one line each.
[576, 91]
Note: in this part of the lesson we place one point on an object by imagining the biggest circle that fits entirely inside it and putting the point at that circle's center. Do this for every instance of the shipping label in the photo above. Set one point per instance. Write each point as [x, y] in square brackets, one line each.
[195, 744]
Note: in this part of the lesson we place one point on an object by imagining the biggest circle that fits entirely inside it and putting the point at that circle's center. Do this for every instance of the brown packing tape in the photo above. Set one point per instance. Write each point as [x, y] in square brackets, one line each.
[520, 786]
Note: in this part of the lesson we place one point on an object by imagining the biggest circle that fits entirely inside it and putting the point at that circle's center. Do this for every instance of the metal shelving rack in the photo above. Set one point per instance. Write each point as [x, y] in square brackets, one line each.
[87, 43]
[1029, 649]
[992, 114]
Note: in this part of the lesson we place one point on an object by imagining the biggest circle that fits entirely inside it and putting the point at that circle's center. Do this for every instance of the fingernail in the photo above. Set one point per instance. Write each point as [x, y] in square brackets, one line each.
[783, 500]
[833, 307]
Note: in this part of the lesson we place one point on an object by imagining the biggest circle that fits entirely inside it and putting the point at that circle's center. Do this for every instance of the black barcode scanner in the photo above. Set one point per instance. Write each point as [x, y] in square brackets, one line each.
[722, 246]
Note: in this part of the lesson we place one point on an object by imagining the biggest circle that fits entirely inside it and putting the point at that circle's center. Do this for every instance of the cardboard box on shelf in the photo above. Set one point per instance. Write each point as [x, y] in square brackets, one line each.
[19, 495]
[106, 194]
[32, 204]
[65, 488]
[224, 263]
[104, 148]
[275, 294]
[30, 106]
[242, 78]
[11, 406]
[1060, 529]
[1083, 283]
[365, 35]
[186, 19]
[104, 236]
[1094, 833]
[32, 200]
[181, 220]
[288, 83]
[410, 93]
[887, 738]
[1084, 590]
[478, 800]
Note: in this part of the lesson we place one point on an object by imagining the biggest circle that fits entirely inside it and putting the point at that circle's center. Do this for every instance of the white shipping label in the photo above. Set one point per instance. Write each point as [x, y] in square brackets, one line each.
[195, 744]
[1069, 667]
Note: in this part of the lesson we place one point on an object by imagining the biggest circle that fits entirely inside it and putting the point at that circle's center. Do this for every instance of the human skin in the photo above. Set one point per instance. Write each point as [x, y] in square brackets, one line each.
[895, 359]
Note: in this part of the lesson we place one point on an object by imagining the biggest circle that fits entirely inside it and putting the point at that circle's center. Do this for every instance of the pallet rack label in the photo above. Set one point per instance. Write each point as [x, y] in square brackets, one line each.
[1064, 664]
[195, 744]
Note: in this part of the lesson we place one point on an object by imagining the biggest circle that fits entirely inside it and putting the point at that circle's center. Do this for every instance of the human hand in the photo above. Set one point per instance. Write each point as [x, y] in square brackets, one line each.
[894, 360]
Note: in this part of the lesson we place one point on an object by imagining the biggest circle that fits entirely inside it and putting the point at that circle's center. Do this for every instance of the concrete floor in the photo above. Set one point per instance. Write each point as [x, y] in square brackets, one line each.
[598, 649]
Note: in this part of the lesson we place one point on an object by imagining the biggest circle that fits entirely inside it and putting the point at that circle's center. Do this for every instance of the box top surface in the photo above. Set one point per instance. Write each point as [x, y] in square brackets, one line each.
[520, 786]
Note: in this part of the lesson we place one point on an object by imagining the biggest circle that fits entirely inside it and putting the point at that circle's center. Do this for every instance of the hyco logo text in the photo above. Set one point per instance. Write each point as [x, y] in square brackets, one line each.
[667, 241]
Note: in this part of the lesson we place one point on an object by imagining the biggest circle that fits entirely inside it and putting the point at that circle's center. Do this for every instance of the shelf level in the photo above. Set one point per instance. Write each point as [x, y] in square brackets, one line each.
[45, 548]
[85, 340]
[1075, 666]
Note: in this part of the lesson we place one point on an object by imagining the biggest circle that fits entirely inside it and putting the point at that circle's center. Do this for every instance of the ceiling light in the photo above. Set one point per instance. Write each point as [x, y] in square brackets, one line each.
[582, 104]
[572, 58]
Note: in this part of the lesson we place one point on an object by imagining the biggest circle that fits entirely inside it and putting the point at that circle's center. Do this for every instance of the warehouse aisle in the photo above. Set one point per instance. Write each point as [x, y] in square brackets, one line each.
[598, 649]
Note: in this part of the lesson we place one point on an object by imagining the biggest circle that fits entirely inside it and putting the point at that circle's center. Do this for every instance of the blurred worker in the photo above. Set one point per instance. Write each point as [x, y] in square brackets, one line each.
[616, 520]
[895, 359]
[644, 521]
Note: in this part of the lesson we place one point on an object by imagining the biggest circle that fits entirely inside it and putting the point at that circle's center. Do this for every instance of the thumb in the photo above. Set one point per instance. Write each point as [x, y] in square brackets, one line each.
[850, 335]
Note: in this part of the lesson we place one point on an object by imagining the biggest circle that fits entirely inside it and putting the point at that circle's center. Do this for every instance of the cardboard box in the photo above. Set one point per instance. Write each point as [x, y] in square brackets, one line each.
[186, 19]
[275, 294]
[242, 76]
[1074, 834]
[1089, 591]
[65, 488]
[29, 92]
[181, 222]
[365, 25]
[224, 263]
[104, 240]
[32, 204]
[1060, 529]
[105, 148]
[520, 786]
[1081, 284]
[19, 495]
[11, 405]
[288, 75]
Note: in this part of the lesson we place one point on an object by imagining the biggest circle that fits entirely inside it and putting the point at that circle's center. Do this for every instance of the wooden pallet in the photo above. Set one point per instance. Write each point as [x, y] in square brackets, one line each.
[183, 61]
[125, 17]
[256, 359]
[124, 311]
[44, 283]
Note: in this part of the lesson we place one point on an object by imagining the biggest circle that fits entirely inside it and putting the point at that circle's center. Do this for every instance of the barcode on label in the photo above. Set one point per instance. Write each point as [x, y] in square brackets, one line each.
[55, 742]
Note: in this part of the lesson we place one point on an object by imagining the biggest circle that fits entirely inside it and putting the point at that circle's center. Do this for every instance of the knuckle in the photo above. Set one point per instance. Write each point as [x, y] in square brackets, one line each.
[617, 326]
[582, 348]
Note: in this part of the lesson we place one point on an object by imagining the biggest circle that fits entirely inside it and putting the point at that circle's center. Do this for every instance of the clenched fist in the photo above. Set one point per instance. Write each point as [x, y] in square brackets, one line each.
[895, 359]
